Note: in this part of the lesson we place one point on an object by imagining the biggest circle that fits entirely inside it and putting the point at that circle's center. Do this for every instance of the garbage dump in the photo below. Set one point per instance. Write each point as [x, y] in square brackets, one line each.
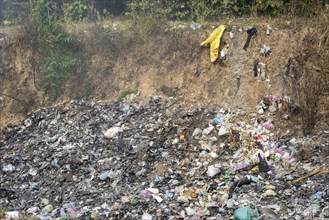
[127, 160]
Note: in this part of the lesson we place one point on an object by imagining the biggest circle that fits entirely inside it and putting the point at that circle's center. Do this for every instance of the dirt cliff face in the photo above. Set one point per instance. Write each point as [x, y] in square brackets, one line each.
[170, 62]
[18, 94]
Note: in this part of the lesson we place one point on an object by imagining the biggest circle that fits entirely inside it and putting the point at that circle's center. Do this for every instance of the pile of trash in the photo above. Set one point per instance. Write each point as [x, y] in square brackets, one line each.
[126, 160]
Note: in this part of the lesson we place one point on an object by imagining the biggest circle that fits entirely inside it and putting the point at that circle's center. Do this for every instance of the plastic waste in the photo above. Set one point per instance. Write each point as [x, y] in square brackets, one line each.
[8, 168]
[12, 215]
[147, 216]
[223, 52]
[268, 30]
[214, 40]
[104, 175]
[262, 70]
[316, 197]
[54, 163]
[34, 186]
[267, 125]
[146, 194]
[196, 132]
[33, 210]
[208, 130]
[231, 35]
[28, 122]
[268, 213]
[169, 195]
[270, 192]
[213, 171]
[190, 211]
[265, 50]
[223, 130]
[112, 132]
[157, 179]
[245, 213]
[217, 120]
[195, 25]
[47, 209]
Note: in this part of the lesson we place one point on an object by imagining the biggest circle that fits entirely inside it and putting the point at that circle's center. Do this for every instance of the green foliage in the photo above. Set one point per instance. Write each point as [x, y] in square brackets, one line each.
[236, 7]
[149, 14]
[55, 68]
[13, 11]
[75, 11]
[58, 47]
[202, 10]
[158, 9]
[271, 7]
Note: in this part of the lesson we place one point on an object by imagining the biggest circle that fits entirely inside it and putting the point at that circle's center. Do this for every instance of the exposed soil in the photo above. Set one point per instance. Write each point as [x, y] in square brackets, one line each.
[170, 62]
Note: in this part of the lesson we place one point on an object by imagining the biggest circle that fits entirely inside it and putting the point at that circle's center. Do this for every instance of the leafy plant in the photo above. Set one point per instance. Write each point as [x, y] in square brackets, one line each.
[58, 47]
[75, 11]
[271, 7]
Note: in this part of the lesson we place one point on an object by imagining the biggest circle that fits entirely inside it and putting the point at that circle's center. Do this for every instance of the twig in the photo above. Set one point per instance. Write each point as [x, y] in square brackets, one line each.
[312, 173]
[24, 103]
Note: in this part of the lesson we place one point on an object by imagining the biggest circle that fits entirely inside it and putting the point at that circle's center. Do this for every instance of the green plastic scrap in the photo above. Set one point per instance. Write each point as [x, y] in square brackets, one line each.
[245, 213]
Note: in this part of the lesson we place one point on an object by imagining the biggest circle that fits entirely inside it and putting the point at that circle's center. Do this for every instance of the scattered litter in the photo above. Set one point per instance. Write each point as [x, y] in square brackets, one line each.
[195, 25]
[191, 164]
[223, 52]
[268, 30]
[265, 50]
[251, 32]
[245, 213]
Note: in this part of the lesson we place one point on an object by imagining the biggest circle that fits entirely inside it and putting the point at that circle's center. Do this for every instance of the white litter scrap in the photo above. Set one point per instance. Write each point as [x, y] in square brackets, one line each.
[112, 132]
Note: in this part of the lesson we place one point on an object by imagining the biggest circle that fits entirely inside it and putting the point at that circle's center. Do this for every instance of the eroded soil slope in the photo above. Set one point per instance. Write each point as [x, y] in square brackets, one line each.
[170, 62]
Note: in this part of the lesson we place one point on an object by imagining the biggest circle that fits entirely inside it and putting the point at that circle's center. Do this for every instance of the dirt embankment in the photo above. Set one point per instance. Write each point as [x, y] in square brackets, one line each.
[170, 62]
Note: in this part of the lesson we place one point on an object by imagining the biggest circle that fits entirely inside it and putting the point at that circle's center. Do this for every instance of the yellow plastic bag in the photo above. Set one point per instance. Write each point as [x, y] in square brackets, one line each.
[214, 40]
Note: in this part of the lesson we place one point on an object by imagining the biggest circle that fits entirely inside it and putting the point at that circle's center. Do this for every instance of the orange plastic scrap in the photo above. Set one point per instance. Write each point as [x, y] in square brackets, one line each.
[214, 40]
[312, 173]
